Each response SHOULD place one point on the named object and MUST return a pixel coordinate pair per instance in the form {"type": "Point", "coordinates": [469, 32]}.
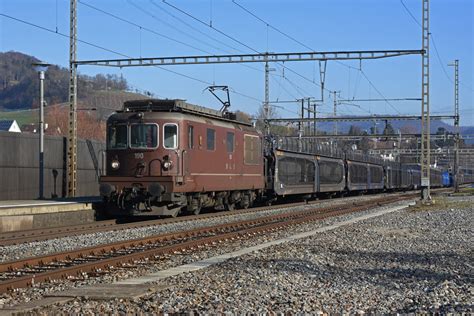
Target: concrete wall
{"type": "Point", "coordinates": [19, 175]}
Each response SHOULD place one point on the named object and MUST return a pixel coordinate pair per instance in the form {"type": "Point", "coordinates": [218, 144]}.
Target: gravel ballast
{"type": "Point", "coordinates": [406, 261]}
{"type": "Point", "coordinates": [40, 248]}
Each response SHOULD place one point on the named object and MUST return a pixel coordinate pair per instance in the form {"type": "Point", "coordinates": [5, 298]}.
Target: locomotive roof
{"type": "Point", "coordinates": [177, 105]}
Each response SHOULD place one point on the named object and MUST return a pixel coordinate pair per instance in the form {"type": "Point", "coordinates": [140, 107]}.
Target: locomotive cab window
{"type": "Point", "coordinates": [143, 136]}
{"type": "Point", "coordinates": [190, 137]}
{"type": "Point", "coordinates": [230, 142]}
{"type": "Point", "coordinates": [117, 137]}
{"type": "Point", "coordinates": [170, 136]}
{"type": "Point", "coordinates": [211, 139]}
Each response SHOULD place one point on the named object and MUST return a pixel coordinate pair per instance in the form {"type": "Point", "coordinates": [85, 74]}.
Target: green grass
{"type": "Point", "coordinates": [464, 192]}
{"type": "Point", "coordinates": [22, 117]}
{"type": "Point", "coordinates": [441, 203]}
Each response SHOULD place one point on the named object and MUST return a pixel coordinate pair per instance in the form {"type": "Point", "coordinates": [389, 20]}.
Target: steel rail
{"type": "Point", "coordinates": [219, 232]}
{"type": "Point", "coordinates": [40, 234]}
{"type": "Point", "coordinates": [31, 235]}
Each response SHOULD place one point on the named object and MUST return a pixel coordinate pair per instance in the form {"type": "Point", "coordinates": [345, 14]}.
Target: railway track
{"type": "Point", "coordinates": [17, 237]}
{"type": "Point", "coordinates": [25, 272]}
{"type": "Point", "coordinates": [24, 236]}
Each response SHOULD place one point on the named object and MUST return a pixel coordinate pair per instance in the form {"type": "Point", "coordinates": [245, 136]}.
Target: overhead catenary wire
{"type": "Point", "coordinates": [380, 93]}
{"type": "Point", "coordinates": [293, 39]}
{"type": "Point", "coordinates": [270, 26]}
{"type": "Point", "coordinates": [442, 64]}
{"type": "Point", "coordinates": [194, 28]}
{"type": "Point", "coordinates": [118, 53]}
{"type": "Point", "coordinates": [235, 39]}
{"type": "Point", "coordinates": [411, 14]}
{"type": "Point", "coordinates": [141, 27]}
{"type": "Point", "coordinates": [167, 37]}
{"type": "Point", "coordinates": [190, 26]}
{"type": "Point", "coordinates": [440, 61]}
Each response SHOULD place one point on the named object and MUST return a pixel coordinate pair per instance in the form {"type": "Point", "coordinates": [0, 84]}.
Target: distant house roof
{"type": "Point", "coordinates": [9, 126]}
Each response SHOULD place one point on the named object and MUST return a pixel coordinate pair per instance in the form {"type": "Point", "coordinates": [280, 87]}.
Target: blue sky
{"type": "Point", "coordinates": [322, 25]}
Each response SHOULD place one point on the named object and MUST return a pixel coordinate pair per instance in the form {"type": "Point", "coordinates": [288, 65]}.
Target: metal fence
{"type": "Point", "coordinates": [19, 174]}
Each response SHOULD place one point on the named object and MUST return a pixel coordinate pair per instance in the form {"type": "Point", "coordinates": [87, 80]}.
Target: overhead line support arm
{"type": "Point", "coordinates": [248, 58]}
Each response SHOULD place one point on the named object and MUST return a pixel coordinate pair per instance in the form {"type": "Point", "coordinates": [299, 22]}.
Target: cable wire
{"type": "Point", "coordinates": [380, 93]}
{"type": "Point", "coordinates": [157, 33]}
{"type": "Point", "coordinates": [440, 61]}
{"type": "Point", "coordinates": [298, 42]}
{"type": "Point", "coordinates": [119, 54]}
{"type": "Point", "coordinates": [235, 39]}
{"type": "Point", "coordinates": [141, 27]}
{"type": "Point", "coordinates": [435, 47]}
{"type": "Point", "coordinates": [411, 14]}
{"type": "Point", "coordinates": [194, 28]}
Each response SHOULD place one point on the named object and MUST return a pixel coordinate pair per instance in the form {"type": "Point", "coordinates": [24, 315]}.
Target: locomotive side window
{"type": "Point", "coordinates": [190, 137]}
{"type": "Point", "coordinates": [117, 137]}
{"type": "Point", "coordinates": [143, 136]}
{"type": "Point", "coordinates": [170, 136]}
{"type": "Point", "coordinates": [230, 142]}
{"type": "Point", "coordinates": [211, 139]}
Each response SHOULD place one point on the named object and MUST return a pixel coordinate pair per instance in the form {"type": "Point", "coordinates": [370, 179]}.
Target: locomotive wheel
{"type": "Point", "coordinates": [196, 206]}
{"type": "Point", "coordinates": [230, 206]}
{"type": "Point", "coordinates": [245, 202]}
{"type": "Point", "coordinates": [197, 211]}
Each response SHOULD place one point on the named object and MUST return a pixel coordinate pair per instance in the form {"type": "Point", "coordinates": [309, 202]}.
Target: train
{"type": "Point", "coordinates": [167, 157]}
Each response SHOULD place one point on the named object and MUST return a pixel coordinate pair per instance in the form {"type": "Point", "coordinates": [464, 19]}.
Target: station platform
{"type": "Point", "coordinates": [32, 214]}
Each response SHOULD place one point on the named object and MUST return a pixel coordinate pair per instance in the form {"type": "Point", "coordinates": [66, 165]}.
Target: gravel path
{"type": "Point", "coordinates": [401, 262]}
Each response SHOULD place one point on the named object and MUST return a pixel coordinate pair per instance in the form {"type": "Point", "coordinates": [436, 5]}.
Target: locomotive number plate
{"type": "Point", "coordinates": [138, 155]}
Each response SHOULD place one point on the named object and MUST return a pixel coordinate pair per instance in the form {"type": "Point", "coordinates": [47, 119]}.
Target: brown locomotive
{"type": "Point", "coordinates": [168, 156]}
{"type": "Point", "coordinates": [164, 156]}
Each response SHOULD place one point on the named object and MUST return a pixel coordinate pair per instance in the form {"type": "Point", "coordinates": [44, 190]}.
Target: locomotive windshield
{"type": "Point", "coordinates": [117, 137]}
{"type": "Point", "coordinates": [170, 136]}
{"type": "Point", "coordinates": [143, 136]}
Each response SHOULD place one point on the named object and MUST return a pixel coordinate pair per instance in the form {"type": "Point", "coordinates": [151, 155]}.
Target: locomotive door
{"type": "Point", "coordinates": [172, 160]}
{"type": "Point", "coordinates": [231, 165]}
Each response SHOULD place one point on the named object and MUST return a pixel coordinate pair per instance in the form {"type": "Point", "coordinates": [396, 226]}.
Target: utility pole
{"type": "Point", "coordinates": [335, 111]}
{"type": "Point", "coordinates": [41, 68]}
{"type": "Point", "coordinates": [309, 115]}
{"type": "Point", "coordinates": [266, 105]}
{"type": "Point", "coordinates": [72, 137]}
{"type": "Point", "coordinates": [301, 124]}
{"type": "Point", "coordinates": [425, 106]}
{"type": "Point", "coordinates": [456, 124]}
{"type": "Point", "coordinates": [315, 130]}
{"type": "Point", "coordinates": [41, 132]}
{"type": "Point", "coordinates": [314, 116]}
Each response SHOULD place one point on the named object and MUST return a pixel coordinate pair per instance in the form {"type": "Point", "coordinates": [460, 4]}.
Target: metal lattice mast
{"type": "Point", "coordinates": [266, 106]}
{"type": "Point", "coordinates": [72, 137]}
{"type": "Point", "coordinates": [315, 127]}
{"type": "Point", "coordinates": [425, 106]}
{"type": "Point", "coordinates": [335, 112]}
{"type": "Point", "coordinates": [456, 123]}
{"type": "Point", "coordinates": [308, 115]}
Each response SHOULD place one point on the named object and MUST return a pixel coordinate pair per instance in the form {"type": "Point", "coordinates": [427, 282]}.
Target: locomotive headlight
{"type": "Point", "coordinates": [166, 164]}
{"type": "Point", "coordinates": [115, 164]}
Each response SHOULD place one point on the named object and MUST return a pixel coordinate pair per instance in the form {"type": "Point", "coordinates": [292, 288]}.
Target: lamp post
{"type": "Point", "coordinates": [41, 67]}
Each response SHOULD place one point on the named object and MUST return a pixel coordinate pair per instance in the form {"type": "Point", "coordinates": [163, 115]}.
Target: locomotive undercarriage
{"type": "Point", "coordinates": [138, 201]}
